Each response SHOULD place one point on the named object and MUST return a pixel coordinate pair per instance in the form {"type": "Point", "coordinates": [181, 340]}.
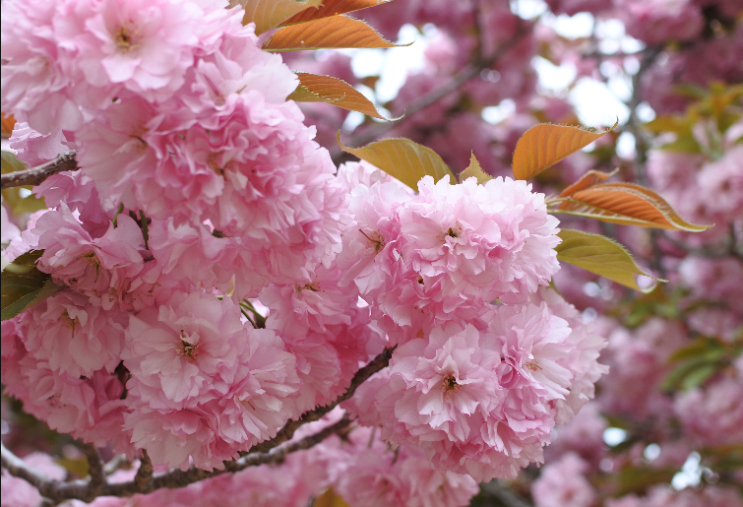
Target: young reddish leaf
{"type": "Point", "coordinates": [589, 179]}
{"type": "Point", "coordinates": [626, 203]}
{"type": "Point", "coordinates": [267, 14]}
{"type": "Point", "coordinates": [402, 159]}
{"type": "Point", "coordinates": [329, 33]}
{"type": "Point", "coordinates": [545, 145]}
{"type": "Point", "coordinates": [331, 8]}
{"type": "Point", "coordinates": [8, 122]}
{"type": "Point", "coordinates": [600, 255]}
{"type": "Point", "coordinates": [475, 170]}
{"type": "Point", "coordinates": [313, 88]}
{"type": "Point", "coordinates": [23, 285]}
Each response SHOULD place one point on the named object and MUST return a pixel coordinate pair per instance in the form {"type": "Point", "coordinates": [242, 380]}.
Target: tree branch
{"type": "Point", "coordinates": [145, 481]}
{"type": "Point", "coordinates": [35, 175]}
{"type": "Point", "coordinates": [503, 494]}
{"type": "Point", "coordinates": [95, 470]}
{"type": "Point", "coordinates": [287, 432]}
{"type": "Point", "coordinates": [457, 80]}
{"type": "Point", "coordinates": [58, 491]}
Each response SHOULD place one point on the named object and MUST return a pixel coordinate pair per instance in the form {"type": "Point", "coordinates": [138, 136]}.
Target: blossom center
{"type": "Point", "coordinates": [376, 240]}
{"type": "Point", "coordinates": [188, 349]}
{"type": "Point", "coordinates": [124, 40]}
{"type": "Point", "coordinates": [533, 365]}
{"type": "Point", "coordinates": [312, 286]}
{"type": "Point", "coordinates": [451, 232]}
{"type": "Point", "coordinates": [449, 383]}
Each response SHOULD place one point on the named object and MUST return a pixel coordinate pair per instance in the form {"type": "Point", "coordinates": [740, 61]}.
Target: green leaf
{"type": "Point", "coordinates": [698, 376]}
{"type": "Point", "coordinates": [10, 163]}
{"type": "Point", "coordinates": [475, 170]}
{"type": "Point", "coordinates": [12, 196]}
{"type": "Point", "coordinates": [639, 479]}
{"type": "Point", "coordinates": [402, 159]}
{"type": "Point", "coordinates": [600, 255]}
{"type": "Point", "coordinates": [683, 144]}
{"type": "Point", "coordinates": [23, 285]}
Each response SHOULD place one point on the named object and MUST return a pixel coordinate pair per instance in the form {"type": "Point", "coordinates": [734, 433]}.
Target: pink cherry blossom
{"type": "Point", "coordinates": [74, 336]}
{"type": "Point", "coordinates": [563, 483]}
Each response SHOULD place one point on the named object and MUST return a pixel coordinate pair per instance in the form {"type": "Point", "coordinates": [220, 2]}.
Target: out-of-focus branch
{"type": "Point", "coordinates": [456, 81]}
{"type": "Point", "coordinates": [270, 451]}
{"type": "Point", "coordinates": [35, 175]}
{"type": "Point", "coordinates": [143, 479]}
{"type": "Point", "coordinates": [95, 470]}
{"type": "Point", "coordinates": [114, 464]}
{"type": "Point", "coordinates": [642, 144]}
{"type": "Point", "coordinates": [503, 494]}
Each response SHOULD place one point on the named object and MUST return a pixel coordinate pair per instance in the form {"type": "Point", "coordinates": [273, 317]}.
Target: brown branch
{"type": "Point", "coordinates": [143, 479]}
{"type": "Point", "coordinates": [35, 175]}
{"type": "Point", "coordinates": [501, 493]}
{"type": "Point", "coordinates": [47, 487]}
{"type": "Point", "coordinates": [267, 452]}
{"type": "Point", "coordinates": [58, 491]}
{"type": "Point", "coordinates": [95, 470]}
{"type": "Point", "coordinates": [287, 432]}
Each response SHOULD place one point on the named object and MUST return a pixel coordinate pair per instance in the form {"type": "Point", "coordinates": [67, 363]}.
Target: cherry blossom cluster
{"type": "Point", "coordinates": [219, 276]}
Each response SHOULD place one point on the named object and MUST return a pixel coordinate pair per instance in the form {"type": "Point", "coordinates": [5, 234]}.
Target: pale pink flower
{"type": "Point", "coordinates": [101, 268]}
{"type": "Point", "coordinates": [665, 496]}
{"type": "Point", "coordinates": [584, 344]}
{"type": "Point", "coordinates": [563, 483]}
{"type": "Point", "coordinates": [34, 79]}
{"type": "Point", "coordinates": [229, 60]}
{"type": "Point", "coordinates": [9, 230]}
{"type": "Point", "coordinates": [721, 183]}
{"type": "Point", "coordinates": [658, 21]}
{"type": "Point", "coordinates": [34, 148]}
{"type": "Point", "coordinates": [714, 279]}
{"type": "Point", "coordinates": [256, 405]}
{"type": "Point", "coordinates": [183, 350]}
{"type": "Point", "coordinates": [713, 415]}
{"type": "Point", "coordinates": [74, 336]}
{"type": "Point", "coordinates": [534, 345]}
{"type": "Point", "coordinates": [89, 408]}
{"type": "Point", "coordinates": [444, 395]}
{"type": "Point", "coordinates": [378, 477]}
{"type": "Point", "coordinates": [76, 191]}
{"type": "Point", "coordinates": [480, 240]}
{"type": "Point", "coordinates": [144, 46]}
{"type": "Point", "coordinates": [582, 435]}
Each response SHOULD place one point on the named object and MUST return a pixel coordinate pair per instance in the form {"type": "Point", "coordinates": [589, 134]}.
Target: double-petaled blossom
{"type": "Point", "coordinates": [203, 385]}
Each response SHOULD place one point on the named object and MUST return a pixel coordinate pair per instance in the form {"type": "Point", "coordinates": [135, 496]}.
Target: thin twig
{"type": "Point", "coordinates": [642, 145]}
{"type": "Point", "coordinates": [287, 432]}
{"type": "Point", "coordinates": [457, 80]}
{"type": "Point", "coordinates": [35, 175]}
{"type": "Point", "coordinates": [268, 452]}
